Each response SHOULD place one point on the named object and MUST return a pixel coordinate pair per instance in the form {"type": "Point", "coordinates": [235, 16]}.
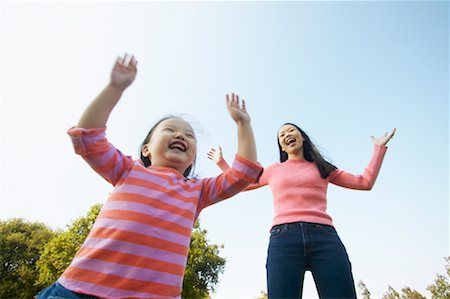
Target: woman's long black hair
{"type": "Point", "coordinates": [311, 154]}
{"type": "Point", "coordinates": [147, 162]}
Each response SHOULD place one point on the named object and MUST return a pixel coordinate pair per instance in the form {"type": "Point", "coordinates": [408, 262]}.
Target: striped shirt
{"type": "Point", "coordinates": [139, 244]}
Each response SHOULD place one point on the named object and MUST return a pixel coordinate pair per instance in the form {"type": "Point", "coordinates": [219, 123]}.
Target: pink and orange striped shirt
{"type": "Point", "coordinates": [139, 243]}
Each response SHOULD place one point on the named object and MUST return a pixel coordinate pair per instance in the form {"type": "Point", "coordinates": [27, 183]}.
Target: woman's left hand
{"type": "Point", "coordinates": [383, 140]}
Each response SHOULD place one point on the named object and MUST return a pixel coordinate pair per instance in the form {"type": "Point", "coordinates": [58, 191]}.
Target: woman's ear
{"type": "Point", "coordinates": [146, 151]}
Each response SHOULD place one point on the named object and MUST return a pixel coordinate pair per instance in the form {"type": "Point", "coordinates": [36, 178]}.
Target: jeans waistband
{"type": "Point", "coordinates": [298, 224]}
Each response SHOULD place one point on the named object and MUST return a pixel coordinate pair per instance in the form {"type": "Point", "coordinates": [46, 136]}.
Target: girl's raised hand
{"type": "Point", "coordinates": [215, 155]}
{"type": "Point", "coordinates": [383, 140]}
{"type": "Point", "coordinates": [237, 110]}
{"type": "Point", "coordinates": [124, 72]}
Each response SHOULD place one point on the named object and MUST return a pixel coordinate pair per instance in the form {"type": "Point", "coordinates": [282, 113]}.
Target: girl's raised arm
{"type": "Point", "coordinates": [246, 139]}
{"type": "Point", "coordinates": [122, 75]}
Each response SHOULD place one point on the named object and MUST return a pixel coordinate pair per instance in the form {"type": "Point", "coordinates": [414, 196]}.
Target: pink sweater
{"type": "Point", "coordinates": [139, 243]}
{"type": "Point", "coordinates": [300, 193]}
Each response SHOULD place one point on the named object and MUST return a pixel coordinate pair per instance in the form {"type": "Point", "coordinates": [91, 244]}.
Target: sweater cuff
{"type": "Point", "coordinates": [250, 171]}
{"type": "Point", "coordinates": [82, 138]}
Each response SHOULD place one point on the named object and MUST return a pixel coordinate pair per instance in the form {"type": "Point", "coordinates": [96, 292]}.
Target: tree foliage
{"type": "Point", "coordinates": [59, 252]}
{"type": "Point", "coordinates": [21, 244]}
{"type": "Point", "coordinates": [406, 293]}
{"type": "Point", "coordinates": [364, 290]}
{"type": "Point", "coordinates": [441, 287]}
{"type": "Point", "coordinates": [203, 267]}
{"type": "Point", "coordinates": [262, 295]}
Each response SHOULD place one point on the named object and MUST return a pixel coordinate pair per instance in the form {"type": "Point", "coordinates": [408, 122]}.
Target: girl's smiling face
{"type": "Point", "coordinates": [172, 144]}
{"type": "Point", "coordinates": [291, 140]}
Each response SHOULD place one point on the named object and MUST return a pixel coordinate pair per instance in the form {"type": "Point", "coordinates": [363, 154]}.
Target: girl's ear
{"type": "Point", "coordinates": [146, 151]}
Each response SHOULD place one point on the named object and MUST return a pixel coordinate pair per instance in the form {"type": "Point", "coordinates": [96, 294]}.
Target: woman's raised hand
{"type": "Point", "coordinates": [215, 155]}
{"type": "Point", "coordinates": [383, 140]}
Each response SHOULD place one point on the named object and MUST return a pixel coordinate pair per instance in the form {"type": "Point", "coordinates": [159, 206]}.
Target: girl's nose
{"type": "Point", "coordinates": [179, 135]}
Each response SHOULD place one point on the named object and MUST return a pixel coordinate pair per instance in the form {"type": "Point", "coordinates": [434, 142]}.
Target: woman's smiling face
{"type": "Point", "coordinates": [290, 139]}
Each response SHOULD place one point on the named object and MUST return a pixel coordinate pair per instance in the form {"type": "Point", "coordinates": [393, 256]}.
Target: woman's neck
{"type": "Point", "coordinates": [296, 156]}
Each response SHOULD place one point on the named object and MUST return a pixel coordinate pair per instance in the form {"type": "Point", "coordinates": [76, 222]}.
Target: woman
{"type": "Point", "coordinates": [303, 236]}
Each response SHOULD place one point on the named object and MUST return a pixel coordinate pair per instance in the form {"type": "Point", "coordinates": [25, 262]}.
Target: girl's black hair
{"type": "Point", "coordinates": [311, 154]}
{"type": "Point", "coordinates": [147, 161]}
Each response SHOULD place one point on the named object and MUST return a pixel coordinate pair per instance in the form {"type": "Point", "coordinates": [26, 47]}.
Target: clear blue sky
{"type": "Point", "coordinates": [341, 70]}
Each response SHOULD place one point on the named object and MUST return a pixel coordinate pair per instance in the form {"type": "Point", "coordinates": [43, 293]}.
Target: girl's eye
{"type": "Point", "coordinates": [189, 136]}
{"type": "Point", "coordinates": [169, 130]}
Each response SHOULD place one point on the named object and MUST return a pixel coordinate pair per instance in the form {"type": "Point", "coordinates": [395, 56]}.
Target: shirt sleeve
{"type": "Point", "coordinates": [223, 165]}
{"type": "Point", "coordinates": [92, 145]}
{"type": "Point", "coordinates": [262, 181]}
{"type": "Point", "coordinates": [364, 181]}
{"type": "Point", "coordinates": [230, 182]}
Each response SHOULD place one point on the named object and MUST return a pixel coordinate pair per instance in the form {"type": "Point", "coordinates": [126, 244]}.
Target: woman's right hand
{"type": "Point", "coordinates": [215, 155]}
{"type": "Point", "coordinates": [123, 72]}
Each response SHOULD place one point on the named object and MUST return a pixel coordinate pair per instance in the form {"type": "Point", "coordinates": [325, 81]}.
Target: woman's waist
{"type": "Point", "coordinates": [304, 216]}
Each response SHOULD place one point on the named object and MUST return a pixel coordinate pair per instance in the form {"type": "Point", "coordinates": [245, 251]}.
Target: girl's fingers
{"type": "Point", "coordinates": [234, 101]}
{"type": "Point", "coordinates": [127, 60]}
{"type": "Point", "coordinates": [133, 61]}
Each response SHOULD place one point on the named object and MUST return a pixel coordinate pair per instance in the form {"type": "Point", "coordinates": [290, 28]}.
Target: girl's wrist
{"type": "Point", "coordinates": [116, 88]}
{"type": "Point", "coordinates": [243, 122]}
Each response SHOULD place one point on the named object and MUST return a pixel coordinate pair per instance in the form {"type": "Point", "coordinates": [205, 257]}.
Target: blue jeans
{"type": "Point", "coordinates": [57, 291]}
{"type": "Point", "coordinates": [297, 247]}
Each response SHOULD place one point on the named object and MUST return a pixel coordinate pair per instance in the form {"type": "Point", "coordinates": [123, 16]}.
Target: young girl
{"type": "Point", "coordinates": [303, 236]}
{"type": "Point", "coordinates": [139, 243]}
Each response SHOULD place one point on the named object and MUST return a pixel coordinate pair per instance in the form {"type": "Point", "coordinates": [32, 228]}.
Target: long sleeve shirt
{"type": "Point", "coordinates": [139, 244]}
{"type": "Point", "coordinates": [300, 193]}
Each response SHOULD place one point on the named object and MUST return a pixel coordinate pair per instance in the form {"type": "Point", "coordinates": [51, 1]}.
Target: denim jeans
{"type": "Point", "coordinates": [301, 246]}
{"type": "Point", "coordinates": [57, 291]}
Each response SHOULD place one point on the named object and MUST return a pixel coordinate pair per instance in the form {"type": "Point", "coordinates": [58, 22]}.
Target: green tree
{"type": "Point", "coordinates": [406, 293]}
{"type": "Point", "coordinates": [21, 244]}
{"type": "Point", "coordinates": [441, 287]}
{"type": "Point", "coordinates": [364, 290]}
{"type": "Point", "coordinates": [391, 294]}
{"type": "Point", "coordinates": [59, 252]}
{"type": "Point", "coordinates": [203, 267]}
{"type": "Point", "coordinates": [262, 295]}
